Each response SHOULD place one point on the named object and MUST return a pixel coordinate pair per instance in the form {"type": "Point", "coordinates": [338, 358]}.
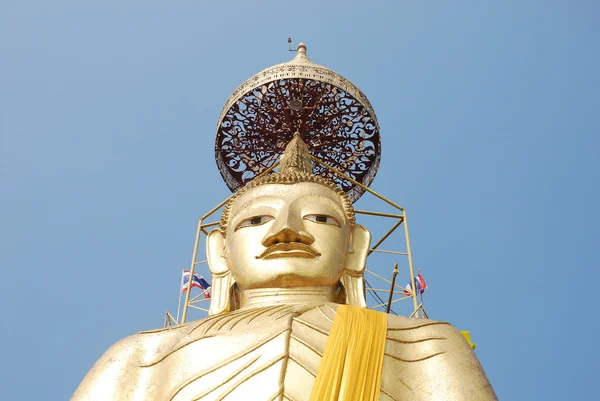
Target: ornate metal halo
{"type": "Point", "coordinates": [333, 116]}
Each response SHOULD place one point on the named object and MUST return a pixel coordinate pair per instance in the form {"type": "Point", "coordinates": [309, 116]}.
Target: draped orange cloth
{"type": "Point", "coordinates": [351, 366]}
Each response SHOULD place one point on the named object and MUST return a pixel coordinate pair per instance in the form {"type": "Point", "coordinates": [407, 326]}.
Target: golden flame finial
{"type": "Point", "coordinates": [296, 157]}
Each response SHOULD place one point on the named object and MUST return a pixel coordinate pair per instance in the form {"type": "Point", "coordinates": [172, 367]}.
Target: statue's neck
{"type": "Point", "coordinates": [295, 295]}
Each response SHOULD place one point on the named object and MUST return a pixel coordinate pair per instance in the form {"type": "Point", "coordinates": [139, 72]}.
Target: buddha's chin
{"type": "Point", "coordinates": [288, 276]}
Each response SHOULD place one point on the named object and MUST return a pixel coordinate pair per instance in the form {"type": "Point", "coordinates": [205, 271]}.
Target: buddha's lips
{"type": "Point", "coordinates": [289, 250]}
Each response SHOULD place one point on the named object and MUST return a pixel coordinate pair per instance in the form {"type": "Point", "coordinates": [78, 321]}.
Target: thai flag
{"type": "Point", "coordinates": [197, 281]}
{"type": "Point", "coordinates": [420, 284]}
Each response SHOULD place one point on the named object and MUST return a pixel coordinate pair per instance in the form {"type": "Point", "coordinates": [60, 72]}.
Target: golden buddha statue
{"type": "Point", "coordinates": [287, 318]}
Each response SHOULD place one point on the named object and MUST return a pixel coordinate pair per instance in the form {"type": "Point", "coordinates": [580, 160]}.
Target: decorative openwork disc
{"type": "Point", "coordinates": [333, 116]}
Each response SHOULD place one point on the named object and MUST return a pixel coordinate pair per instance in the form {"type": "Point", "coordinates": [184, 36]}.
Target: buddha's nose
{"type": "Point", "coordinates": [287, 230]}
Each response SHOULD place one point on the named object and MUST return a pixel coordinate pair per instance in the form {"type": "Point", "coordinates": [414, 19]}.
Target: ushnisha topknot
{"type": "Point", "coordinates": [295, 166]}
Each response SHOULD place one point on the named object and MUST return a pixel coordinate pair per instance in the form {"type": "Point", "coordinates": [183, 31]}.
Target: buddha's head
{"type": "Point", "coordinates": [287, 230]}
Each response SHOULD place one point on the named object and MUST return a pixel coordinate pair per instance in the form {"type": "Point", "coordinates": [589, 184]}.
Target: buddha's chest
{"type": "Point", "coordinates": [262, 356]}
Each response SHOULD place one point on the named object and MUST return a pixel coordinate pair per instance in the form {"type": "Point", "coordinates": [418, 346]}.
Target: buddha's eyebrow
{"type": "Point", "coordinates": [323, 199]}
{"type": "Point", "coordinates": [260, 200]}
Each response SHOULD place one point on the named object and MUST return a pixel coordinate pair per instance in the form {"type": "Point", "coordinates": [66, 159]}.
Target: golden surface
{"type": "Point", "coordinates": [273, 353]}
{"type": "Point", "coordinates": [289, 254]}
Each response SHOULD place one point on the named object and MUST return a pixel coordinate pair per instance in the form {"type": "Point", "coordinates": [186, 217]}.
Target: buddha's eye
{"type": "Point", "coordinates": [254, 221]}
{"type": "Point", "coordinates": [322, 219]}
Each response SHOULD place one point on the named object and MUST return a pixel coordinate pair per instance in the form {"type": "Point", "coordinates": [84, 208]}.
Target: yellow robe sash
{"type": "Point", "coordinates": [351, 366]}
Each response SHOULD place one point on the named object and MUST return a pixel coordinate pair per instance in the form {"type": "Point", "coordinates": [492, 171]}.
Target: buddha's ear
{"type": "Point", "coordinates": [222, 280]}
{"type": "Point", "coordinates": [356, 261]}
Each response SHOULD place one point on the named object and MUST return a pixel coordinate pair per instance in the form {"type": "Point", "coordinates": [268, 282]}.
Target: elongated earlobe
{"type": "Point", "coordinates": [222, 280]}
{"type": "Point", "coordinates": [352, 278]}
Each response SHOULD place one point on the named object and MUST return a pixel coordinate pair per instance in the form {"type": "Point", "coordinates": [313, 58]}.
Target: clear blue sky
{"type": "Point", "coordinates": [489, 123]}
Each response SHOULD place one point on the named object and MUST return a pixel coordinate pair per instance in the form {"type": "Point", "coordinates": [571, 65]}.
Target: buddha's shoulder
{"type": "Point", "coordinates": [136, 348]}
{"type": "Point", "coordinates": [436, 363]}
{"type": "Point", "coordinates": [408, 324]}
{"type": "Point", "coordinates": [148, 345]}
{"type": "Point", "coordinates": [412, 330]}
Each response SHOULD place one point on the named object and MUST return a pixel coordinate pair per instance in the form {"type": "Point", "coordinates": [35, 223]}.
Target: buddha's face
{"type": "Point", "coordinates": [287, 236]}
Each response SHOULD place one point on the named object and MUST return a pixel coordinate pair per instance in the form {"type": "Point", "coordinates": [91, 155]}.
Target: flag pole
{"type": "Point", "coordinates": [394, 274]}
{"type": "Point", "coordinates": [178, 307]}
{"type": "Point", "coordinates": [179, 300]}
